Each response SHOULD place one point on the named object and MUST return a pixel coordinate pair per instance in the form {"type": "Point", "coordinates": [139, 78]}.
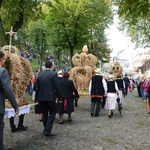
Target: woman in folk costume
{"type": "Point", "coordinates": [121, 87]}
{"type": "Point", "coordinates": [112, 90]}
{"type": "Point", "coordinates": [97, 90]}
{"type": "Point", "coordinates": [68, 93]}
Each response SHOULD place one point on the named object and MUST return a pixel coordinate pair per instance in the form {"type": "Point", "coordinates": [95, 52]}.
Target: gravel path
{"type": "Point", "coordinates": [128, 132]}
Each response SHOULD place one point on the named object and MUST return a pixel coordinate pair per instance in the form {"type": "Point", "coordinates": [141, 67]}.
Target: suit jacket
{"type": "Point", "coordinates": [127, 82]}
{"type": "Point", "coordinates": [48, 86]}
{"type": "Point", "coordinates": [68, 89]}
{"type": "Point", "coordinates": [6, 90]}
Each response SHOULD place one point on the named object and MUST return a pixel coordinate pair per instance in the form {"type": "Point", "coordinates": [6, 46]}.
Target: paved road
{"type": "Point", "coordinates": [129, 132]}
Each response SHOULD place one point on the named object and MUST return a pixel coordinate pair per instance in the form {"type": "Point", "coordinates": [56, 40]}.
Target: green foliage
{"type": "Point", "coordinates": [59, 27]}
{"type": "Point", "coordinates": [135, 19]}
{"type": "Point", "coordinates": [36, 35]}
{"type": "Point", "coordinates": [17, 13]}
{"type": "Point", "coordinates": [70, 23]}
{"type": "Point", "coordinates": [34, 64]}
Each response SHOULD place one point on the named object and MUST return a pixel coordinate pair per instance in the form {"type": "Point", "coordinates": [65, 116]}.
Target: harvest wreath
{"type": "Point", "coordinates": [20, 73]}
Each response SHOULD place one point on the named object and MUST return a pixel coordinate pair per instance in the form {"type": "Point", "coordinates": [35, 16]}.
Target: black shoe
{"type": "Point", "coordinates": [14, 130]}
{"type": "Point", "coordinates": [76, 105]}
{"type": "Point", "coordinates": [61, 122]}
{"type": "Point", "coordinates": [69, 120]}
{"type": "Point", "coordinates": [112, 113]}
{"type": "Point", "coordinates": [109, 116]}
{"type": "Point", "coordinates": [92, 114]}
{"type": "Point", "coordinates": [48, 134]}
{"type": "Point", "coordinates": [23, 128]}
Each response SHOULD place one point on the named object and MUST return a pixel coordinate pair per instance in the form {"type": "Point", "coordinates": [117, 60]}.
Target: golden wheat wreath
{"type": "Point", "coordinates": [20, 73]}
{"type": "Point", "coordinates": [82, 72]}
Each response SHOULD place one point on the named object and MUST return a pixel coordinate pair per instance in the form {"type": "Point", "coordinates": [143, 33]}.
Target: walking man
{"type": "Point", "coordinates": [97, 89]}
{"type": "Point", "coordinates": [5, 90]}
{"type": "Point", "coordinates": [127, 83]}
{"type": "Point", "coordinates": [47, 89]}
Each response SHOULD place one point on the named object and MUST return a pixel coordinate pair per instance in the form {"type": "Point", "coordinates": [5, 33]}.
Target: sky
{"type": "Point", "coordinates": [118, 41]}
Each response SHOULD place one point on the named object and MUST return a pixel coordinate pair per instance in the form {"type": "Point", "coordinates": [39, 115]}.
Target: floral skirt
{"type": "Point", "coordinates": [111, 102]}
{"type": "Point", "coordinates": [121, 96]}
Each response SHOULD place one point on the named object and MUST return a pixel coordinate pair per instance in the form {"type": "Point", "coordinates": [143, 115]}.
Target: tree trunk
{"type": "Point", "coordinates": [71, 55]}
{"type": "Point", "coordinates": [3, 40]}
{"type": "Point", "coordinates": [41, 63]}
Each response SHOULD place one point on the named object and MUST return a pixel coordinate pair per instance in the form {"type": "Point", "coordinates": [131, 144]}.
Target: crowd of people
{"type": "Point", "coordinates": [143, 84]}
{"type": "Point", "coordinates": [56, 93]}
{"type": "Point", "coordinates": [105, 91]}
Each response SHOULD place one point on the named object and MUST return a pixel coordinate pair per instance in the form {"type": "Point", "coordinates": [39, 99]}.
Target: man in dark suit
{"type": "Point", "coordinates": [127, 83]}
{"type": "Point", "coordinates": [47, 89]}
{"type": "Point", "coordinates": [5, 90]}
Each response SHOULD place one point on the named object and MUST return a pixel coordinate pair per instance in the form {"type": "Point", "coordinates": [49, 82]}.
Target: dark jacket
{"type": "Point", "coordinates": [68, 89]}
{"type": "Point", "coordinates": [48, 86]}
{"type": "Point", "coordinates": [97, 88]}
{"type": "Point", "coordinates": [126, 81]}
{"type": "Point", "coordinates": [120, 84]}
{"type": "Point", "coordinates": [6, 90]}
{"type": "Point", "coordinates": [111, 87]}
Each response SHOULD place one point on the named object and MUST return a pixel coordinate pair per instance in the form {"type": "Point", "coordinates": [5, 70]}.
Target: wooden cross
{"type": "Point", "coordinates": [117, 59]}
{"type": "Point", "coordinates": [11, 33]}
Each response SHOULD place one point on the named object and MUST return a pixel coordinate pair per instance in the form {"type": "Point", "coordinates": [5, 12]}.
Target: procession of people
{"type": "Point", "coordinates": [104, 92]}
{"type": "Point", "coordinates": [56, 94]}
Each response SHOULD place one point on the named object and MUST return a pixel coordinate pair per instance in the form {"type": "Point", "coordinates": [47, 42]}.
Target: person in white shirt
{"type": "Point", "coordinates": [112, 91]}
{"type": "Point", "coordinates": [97, 90]}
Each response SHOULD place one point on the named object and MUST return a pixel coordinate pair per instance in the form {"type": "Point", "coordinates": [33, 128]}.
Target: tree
{"type": "Point", "coordinates": [135, 20]}
{"type": "Point", "coordinates": [70, 23]}
{"type": "Point", "coordinates": [36, 37]}
{"type": "Point", "coordinates": [17, 13]}
{"type": "Point", "coordinates": [98, 45]}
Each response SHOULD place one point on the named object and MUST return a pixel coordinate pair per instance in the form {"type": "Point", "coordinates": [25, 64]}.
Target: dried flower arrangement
{"type": "Point", "coordinates": [20, 73]}
{"type": "Point", "coordinates": [117, 69]}
{"type": "Point", "coordinates": [82, 72]}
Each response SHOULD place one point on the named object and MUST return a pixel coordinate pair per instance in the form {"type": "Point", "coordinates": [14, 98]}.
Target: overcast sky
{"type": "Point", "coordinates": [118, 41]}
